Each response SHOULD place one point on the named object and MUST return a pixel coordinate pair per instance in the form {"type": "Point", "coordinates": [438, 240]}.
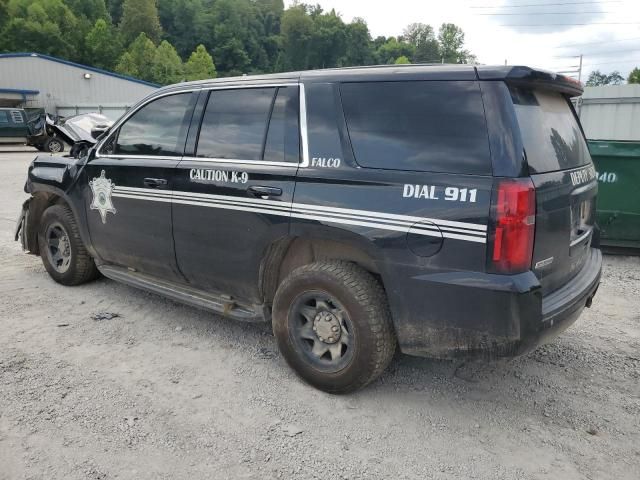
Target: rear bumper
{"type": "Point", "coordinates": [464, 314]}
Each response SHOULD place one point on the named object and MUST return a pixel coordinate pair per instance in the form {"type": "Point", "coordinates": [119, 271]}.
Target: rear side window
{"type": "Point", "coordinates": [436, 126]}
{"type": "Point", "coordinates": [234, 123]}
{"type": "Point", "coordinates": [158, 128]}
{"type": "Point", "coordinates": [550, 132]}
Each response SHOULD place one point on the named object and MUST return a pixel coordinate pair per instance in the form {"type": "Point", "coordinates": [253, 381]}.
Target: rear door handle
{"type": "Point", "coordinates": [155, 182]}
{"type": "Point", "coordinates": [264, 192]}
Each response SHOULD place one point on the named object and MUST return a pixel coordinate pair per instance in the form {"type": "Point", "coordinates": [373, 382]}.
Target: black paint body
{"type": "Point", "coordinates": [443, 300]}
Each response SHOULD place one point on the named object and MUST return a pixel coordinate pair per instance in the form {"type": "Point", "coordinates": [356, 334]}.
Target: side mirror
{"type": "Point", "coordinates": [98, 131]}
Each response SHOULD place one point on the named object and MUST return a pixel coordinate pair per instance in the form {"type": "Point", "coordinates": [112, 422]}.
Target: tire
{"type": "Point", "coordinates": [314, 304]}
{"type": "Point", "coordinates": [63, 254]}
{"type": "Point", "coordinates": [53, 145]}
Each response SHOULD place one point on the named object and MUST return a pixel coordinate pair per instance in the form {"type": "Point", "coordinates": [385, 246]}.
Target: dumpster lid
{"type": "Point", "coordinates": [534, 78]}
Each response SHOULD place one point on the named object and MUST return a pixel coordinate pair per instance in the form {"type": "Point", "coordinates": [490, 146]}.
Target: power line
{"type": "Point", "coordinates": [597, 43]}
{"type": "Point", "coordinates": [536, 13]}
{"type": "Point", "coordinates": [592, 54]}
{"type": "Point", "coordinates": [566, 24]}
{"type": "Point", "coordinates": [608, 63]}
{"type": "Point", "coordinates": [544, 4]}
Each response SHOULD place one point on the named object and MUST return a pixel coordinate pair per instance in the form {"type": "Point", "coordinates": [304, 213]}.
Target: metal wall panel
{"type": "Point", "coordinates": [62, 85]}
{"type": "Point", "coordinates": [611, 112]}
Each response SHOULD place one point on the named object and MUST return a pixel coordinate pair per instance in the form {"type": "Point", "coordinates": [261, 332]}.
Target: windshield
{"type": "Point", "coordinates": [550, 132]}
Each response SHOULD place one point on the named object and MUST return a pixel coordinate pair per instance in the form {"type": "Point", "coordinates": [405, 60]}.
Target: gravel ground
{"type": "Point", "coordinates": [162, 390]}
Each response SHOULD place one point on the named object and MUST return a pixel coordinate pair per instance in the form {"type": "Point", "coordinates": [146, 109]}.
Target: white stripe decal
{"type": "Point", "coordinates": [402, 223]}
{"type": "Point", "coordinates": [322, 208]}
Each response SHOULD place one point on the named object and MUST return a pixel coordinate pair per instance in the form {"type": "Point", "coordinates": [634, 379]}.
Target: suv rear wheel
{"type": "Point", "coordinates": [333, 326]}
{"type": "Point", "coordinates": [63, 254]}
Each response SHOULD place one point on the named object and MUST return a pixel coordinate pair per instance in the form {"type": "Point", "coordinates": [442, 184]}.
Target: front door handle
{"type": "Point", "coordinates": [155, 182]}
{"type": "Point", "coordinates": [264, 192]}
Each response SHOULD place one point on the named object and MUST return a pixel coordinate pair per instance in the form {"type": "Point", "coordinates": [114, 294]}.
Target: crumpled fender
{"type": "Point", "coordinates": [51, 178]}
{"type": "Point", "coordinates": [54, 171]}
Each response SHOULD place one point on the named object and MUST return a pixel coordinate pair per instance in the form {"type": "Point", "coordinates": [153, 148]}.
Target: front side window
{"type": "Point", "coordinates": [158, 128]}
{"type": "Point", "coordinates": [436, 126]}
{"type": "Point", "coordinates": [4, 118]}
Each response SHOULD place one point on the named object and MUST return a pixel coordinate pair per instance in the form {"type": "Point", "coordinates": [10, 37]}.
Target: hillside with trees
{"type": "Point", "coordinates": [166, 41]}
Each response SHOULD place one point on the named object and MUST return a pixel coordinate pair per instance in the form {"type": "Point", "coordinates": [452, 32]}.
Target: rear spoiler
{"type": "Point", "coordinates": [528, 77]}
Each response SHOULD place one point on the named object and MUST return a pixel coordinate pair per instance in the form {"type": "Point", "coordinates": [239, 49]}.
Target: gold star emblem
{"type": "Point", "coordinates": [102, 188]}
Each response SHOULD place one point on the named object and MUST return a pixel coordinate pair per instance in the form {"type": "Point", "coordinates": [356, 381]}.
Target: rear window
{"type": "Point", "coordinates": [550, 132]}
{"type": "Point", "coordinates": [432, 126]}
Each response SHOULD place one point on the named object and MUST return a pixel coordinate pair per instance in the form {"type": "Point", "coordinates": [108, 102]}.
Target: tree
{"type": "Point", "coordinates": [634, 76]}
{"type": "Point", "coordinates": [423, 39]}
{"type": "Point", "coordinates": [597, 78]}
{"type": "Point", "coordinates": [296, 30]}
{"type": "Point", "coordinates": [103, 45]}
{"type": "Point", "coordinates": [167, 65]}
{"type": "Point", "coordinates": [139, 59]}
{"type": "Point", "coordinates": [358, 49]}
{"type": "Point", "coordinates": [328, 39]}
{"type": "Point", "coordinates": [44, 26]}
{"type": "Point", "coordinates": [183, 22]}
{"type": "Point", "coordinates": [393, 49]}
{"type": "Point", "coordinates": [451, 39]}
{"type": "Point", "coordinates": [402, 60]}
{"type": "Point", "coordinates": [200, 65]}
{"type": "Point", "coordinates": [140, 16]}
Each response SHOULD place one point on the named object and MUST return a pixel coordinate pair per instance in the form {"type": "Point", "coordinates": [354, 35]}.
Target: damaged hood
{"type": "Point", "coordinates": [78, 128]}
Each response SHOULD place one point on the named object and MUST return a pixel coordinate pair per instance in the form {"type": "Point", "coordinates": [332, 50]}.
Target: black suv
{"type": "Point", "coordinates": [448, 210]}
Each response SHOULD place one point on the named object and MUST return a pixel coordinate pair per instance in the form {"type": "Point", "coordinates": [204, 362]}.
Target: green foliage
{"type": "Point", "coordinates": [103, 45]}
{"type": "Point", "coordinates": [392, 49]}
{"type": "Point", "coordinates": [44, 26]}
{"type": "Point", "coordinates": [423, 39]}
{"type": "Point", "coordinates": [597, 78]}
{"type": "Point", "coordinates": [244, 37]}
{"type": "Point", "coordinates": [200, 65]}
{"type": "Point", "coordinates": [634, 76]}
{"type": "Point", "coordinates": [451, 40]}
{"type": "Point", "coordinates": [140, 16]}
{"type": "Point", "coordinates": [167, 65]}
{"type": "Point", "coordinates": [402, 61]}
{"type": "Point", "coordinates": [138, 61]}
{"type": "Point", "coordinates": [296, 29]}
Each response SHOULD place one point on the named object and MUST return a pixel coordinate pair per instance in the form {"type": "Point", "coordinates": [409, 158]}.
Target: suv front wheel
{"type": "Point", "coordinates": [333, 325]}
{"type": "Point", "coordinates": [63, 254]}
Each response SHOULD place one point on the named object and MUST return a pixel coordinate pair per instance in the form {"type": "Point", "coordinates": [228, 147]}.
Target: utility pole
{"type": "Point", "coordinates": [580, 69]}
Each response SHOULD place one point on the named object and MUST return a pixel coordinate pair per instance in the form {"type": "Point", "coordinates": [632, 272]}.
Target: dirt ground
{"type": "Point", "coordinates": [164, 391]}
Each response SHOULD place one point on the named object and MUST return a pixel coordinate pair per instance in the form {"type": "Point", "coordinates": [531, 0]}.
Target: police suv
{"type": "Point", "coordinates": [444, 210]}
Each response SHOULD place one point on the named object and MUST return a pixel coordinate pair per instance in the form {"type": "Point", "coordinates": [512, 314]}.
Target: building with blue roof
{"type": "Point", "coordinates": [60, 87]}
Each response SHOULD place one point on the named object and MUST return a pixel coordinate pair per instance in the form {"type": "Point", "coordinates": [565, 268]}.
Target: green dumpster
{"type": "Point", "coordinates": [618, 211]}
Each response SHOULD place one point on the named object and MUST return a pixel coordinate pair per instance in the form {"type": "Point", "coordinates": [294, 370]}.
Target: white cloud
{"type": "Point", "coordinates": [614, 46]}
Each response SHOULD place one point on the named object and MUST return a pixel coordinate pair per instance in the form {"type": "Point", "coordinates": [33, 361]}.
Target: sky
{"type": "Point", "coordinates": [535, 33]}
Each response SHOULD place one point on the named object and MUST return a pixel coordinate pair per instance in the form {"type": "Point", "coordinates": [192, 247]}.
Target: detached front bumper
{"type": "Point", "coordinates": [467, 314]}
{"type": "Point", "coordinates": [21, 226]}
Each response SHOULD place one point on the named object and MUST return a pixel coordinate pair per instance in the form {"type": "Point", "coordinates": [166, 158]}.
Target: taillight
{"type": "Point", "coordinates": [514, 207]}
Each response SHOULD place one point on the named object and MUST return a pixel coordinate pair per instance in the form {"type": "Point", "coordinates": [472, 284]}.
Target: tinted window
{"type": "Point", "coordinates": [550, 132]}
{"type": "Point", "coordinates": [235, 123]}
{"type": "Point", "coordinates": [322, 122]}
{"type": "Point", "coordinates": [158, 128]}
{"type": "Point", "coordinates": [421, 125]}
{"type": "Point", "coordinates": [4, 118]}
{"type": "Point", "coordinates": [283, 139]}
